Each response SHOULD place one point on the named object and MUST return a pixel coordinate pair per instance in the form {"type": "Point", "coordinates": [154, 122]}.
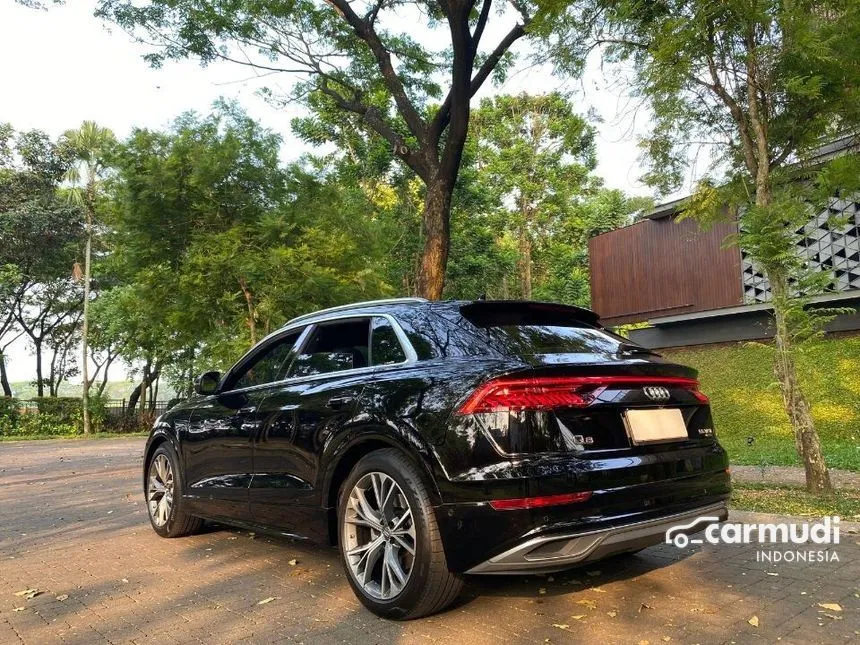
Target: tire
{"type": "Point", "coordinates": [429, 586]}
{"type": "Point", "coordinates": [168, 518]}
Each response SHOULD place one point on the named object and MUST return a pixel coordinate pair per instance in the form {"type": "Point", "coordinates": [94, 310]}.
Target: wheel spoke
{"type": "Point", "coordinates": [403, 544]}
{"type": "Point", "coordinates": [401, 521]}
{"type": "Point", "coordinates": [379, 536]}
{"type": "Point", "coordinates": [160, 490]}
{"type": "Point", "coordinates": [364, 511]}
{"type": "Point", "coordinates": [396, 575]}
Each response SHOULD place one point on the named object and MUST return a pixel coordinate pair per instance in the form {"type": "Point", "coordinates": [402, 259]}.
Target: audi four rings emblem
{"type": "Point", "coordinates": [657, 393]}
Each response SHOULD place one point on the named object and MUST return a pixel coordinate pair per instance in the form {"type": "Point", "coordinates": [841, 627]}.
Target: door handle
{"type": "Point", "coordinates": [338, 402]}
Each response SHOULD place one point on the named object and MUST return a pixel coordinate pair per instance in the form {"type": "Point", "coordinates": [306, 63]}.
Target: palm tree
{"type": "Point", "coordinates": [90, 144]}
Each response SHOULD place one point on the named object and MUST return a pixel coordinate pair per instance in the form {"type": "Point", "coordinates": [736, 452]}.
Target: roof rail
{"type": "Point", "coordinates": [357, 305]}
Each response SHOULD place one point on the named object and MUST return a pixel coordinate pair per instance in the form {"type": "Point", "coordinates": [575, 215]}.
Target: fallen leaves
{"type": "Point", "coordinates": [830, 606]}
{"type": "Point", "coordinates": [28, 593]}
{"type": "Point", "coordinates": [293, 562]}
{"type": "Point", "coordinates": [561, 626]}
{"type": "Point", "coordinates": [266, 601]}
{"type": "Point", "coordinates": [19, 609]}
{"type": "Point", "coordinates": [753, 621]}
{"type": "Point", "coordinates": [542, 591]}
{"type": "Point", "coordinates": [642, 606]}
{"type": "Point", "coordinates": [578, 617]}
{"type": "Point", "coordinates": [63, 597]}
{"type": "Point", "coordinates": [612, 614]}
{"type": "Point", "coordinates": [587, 603]}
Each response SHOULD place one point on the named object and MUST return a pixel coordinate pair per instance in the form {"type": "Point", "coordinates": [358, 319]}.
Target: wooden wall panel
{"type": "Point", "coordinates": [661, 267]}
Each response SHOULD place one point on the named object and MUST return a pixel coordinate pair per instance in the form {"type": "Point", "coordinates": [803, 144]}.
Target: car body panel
{"type": "Point", "coordinates": [273, 457]}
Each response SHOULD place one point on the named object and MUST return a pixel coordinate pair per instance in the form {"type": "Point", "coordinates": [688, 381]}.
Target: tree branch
{"type": "Point", "coordinates": [366, 32]}
{"type": "Point", "coordinates": [377, 123]}
{"type": "Point", "coordinates": [443, 116]}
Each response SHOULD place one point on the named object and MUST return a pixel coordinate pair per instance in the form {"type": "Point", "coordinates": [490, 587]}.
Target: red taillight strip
{"type": "Point", "coordinates": [522, 503]}
{"type": "Point", "coordinates": [544, 393]}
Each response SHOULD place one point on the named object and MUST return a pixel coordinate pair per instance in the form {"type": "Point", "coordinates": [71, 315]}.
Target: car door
{"type": "Point", "coordinates": [319, 398]}
{"type": "Point", "coordinates": [216, 444]}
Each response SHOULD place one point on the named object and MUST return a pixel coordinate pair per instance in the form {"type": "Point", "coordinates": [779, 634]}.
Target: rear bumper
{"type": "Point", "coordinates": [549, 553]}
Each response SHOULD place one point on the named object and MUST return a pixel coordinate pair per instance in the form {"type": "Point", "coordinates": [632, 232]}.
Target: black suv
{"type": "Point", "coordinates": [434, 439]}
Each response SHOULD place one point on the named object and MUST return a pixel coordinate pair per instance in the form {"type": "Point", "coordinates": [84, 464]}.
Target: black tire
{"type": "Point", "coordinates": [179, 522]}
{"type": "Point", "coordinates": [431, 586]}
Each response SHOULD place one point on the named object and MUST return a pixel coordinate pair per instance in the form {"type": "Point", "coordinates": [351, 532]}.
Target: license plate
{"type": "Point", "coordinates": [655, 426]}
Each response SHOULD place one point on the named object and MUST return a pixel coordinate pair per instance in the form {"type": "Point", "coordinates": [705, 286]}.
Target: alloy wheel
{"type": "Point", "coordinates": [160, 490]}
{"type": "Point", "coordinates": [379, 536]}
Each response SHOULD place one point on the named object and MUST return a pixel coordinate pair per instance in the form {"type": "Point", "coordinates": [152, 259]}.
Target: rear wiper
{"type": "Point", "coordinates": [630, 349]}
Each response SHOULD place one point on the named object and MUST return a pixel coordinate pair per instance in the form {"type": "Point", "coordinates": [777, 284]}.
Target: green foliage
{"type": "Point", "coordinates": [218, 243]}
{"type": "Point", "coordinates": [9, 415]}
{"type": "Point", "coordinates": [50, 416]}
{"type": "Point", "coordinates": [747, 403]}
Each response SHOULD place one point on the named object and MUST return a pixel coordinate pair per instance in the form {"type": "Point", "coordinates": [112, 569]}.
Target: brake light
{"type": "Point", "coordinates": [547, 393]}
{"type": "Point", "coordinates": [522, 503]}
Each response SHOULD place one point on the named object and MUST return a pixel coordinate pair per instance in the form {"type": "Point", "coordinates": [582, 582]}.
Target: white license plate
{"type": "Point", "coordinates": [655, 426]}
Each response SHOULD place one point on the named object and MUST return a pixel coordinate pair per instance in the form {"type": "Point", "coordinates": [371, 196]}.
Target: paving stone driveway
{"type": "Point", "coordinates": [73, 525]}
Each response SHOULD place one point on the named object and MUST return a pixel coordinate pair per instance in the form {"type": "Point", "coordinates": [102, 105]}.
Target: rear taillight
{"type": "Point", "coordinates": [547, 393]}
{"type": "Point", "coordinates": [521, 503]}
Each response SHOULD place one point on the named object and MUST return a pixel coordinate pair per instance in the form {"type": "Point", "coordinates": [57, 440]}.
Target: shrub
{"type": "Point", "coordinates": [61, 415]}
{"type": "Point", "coordinates": [9, 415]}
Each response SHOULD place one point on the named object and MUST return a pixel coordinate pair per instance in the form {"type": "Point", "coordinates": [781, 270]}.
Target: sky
{"type": "Point", "coordinates": [62, 66]}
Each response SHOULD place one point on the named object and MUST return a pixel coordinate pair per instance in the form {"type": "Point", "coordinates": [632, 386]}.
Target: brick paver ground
{"type": "Point", "coordinates": [73, 525]}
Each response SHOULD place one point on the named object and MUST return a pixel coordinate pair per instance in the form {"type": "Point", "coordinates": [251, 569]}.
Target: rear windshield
{"type": "Point", "coordinates": [525, 340]}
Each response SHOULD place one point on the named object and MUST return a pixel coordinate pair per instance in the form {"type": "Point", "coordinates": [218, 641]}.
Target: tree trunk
{"type": "Point", "coordinates": [806, 440]}
{"type": "Point", "coordinates": [436, 228]}
{"type": "Point", "coordinates": [40, 385]}
{"type": "Point", "coordinates": [154, 396]}
{"type": "Point", "coordinates": [4, 379]}
{"type": "Point", "coordinates": [525, 264]}
{"type": "Point", "coordinates": [110, 358]}
{"type": "Point", "coordinates": [252, 316]}
{"type": "Point", "coordinates": [85, 395]}
{"type": "Point", "coordinates": [148, 377]}
{"type": "Point", "coordinates": [144, 391]}
{"type": "Point", "coordinates": [797, 407]}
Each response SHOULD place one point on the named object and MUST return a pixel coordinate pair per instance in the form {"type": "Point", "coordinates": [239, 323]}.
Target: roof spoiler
{"type": "Point", "coordinates": [524, 312]}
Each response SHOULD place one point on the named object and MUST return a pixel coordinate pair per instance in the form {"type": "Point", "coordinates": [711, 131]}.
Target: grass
{"type": "Point", "coordinates": [748, 413]}
{"type": "Point", "coordinates": [94, 435]}
{"type": "Point", "coordinates": [792, 500]}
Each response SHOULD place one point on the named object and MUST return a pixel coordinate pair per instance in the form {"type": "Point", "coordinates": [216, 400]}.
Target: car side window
{"type": "Point", "coordinates": [385, 347]}
{"type": "Point", "coordinates": [269, 365]}
{"type": "Point", "coordinates": [334, 347]}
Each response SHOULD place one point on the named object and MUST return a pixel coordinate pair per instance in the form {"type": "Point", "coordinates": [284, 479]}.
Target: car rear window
{"type": "Point", "coordinates": [523, 340]}
{"type": "Point", "coordinates": [527, 328]}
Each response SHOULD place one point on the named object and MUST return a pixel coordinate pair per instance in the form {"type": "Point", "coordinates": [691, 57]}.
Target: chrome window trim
{"type": "Point", "coordinates": [406, 346]}
{"type": "Point", "coordinates": [357, 305]}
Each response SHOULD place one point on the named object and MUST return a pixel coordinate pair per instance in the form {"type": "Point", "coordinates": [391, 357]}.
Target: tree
{"type": "Point", "coordinates": [46, 313]}
{"type": "Point", "coordinates": [362, 60]}
{"type": "Point", "coordinates": [91, 144]}
{"type": "Point", "coordinates": [40, 234]}
{"type": "Point", "coordinates": [537, 154]}
{"type": "Point", "coordinates": [214, 244]}
{"type": "Point", "coordinates": [762, 84]}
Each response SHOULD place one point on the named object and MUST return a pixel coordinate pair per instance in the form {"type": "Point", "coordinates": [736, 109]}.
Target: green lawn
{"type": "Point", "coordinates": [747, 405]}
{"type": "Point", "coordinates": [792, 500]}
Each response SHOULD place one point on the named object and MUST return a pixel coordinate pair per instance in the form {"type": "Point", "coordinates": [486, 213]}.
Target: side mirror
{"type": "Point", "coordinates": [207, 383]}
